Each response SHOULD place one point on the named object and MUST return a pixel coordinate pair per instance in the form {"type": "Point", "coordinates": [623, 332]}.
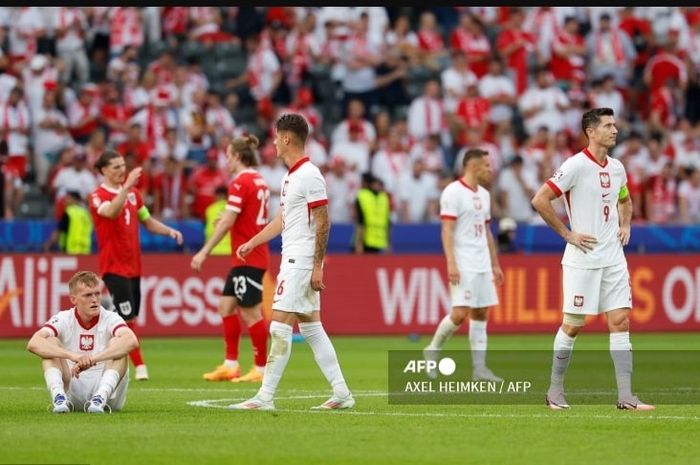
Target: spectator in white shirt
{"type": "Point", "coordinates": [76, 177]}
{"type": "Point", "coordinates": [355, 151]}
{"type": "Point", "coordinates": [516, 186]}
{"type": "Point", "coordinates": [542, 105]}
{"type": "Point", "coordinates": [498, 88]}
{"type": "Point", "coordinates": [418, 194]}
{"type": "Point", "coordinates": [689, 197]}
{"type": "Point", "coordinates": [342, 186]}
{"type": "Point", "coordinates": [356, 114]}
{"type": "Point", "coordinates": [70, 28]}
{"type": "Point", "coordinates": [456, 78]}
{"type": "Point", "coordinates": [389, 163]}
{"type": "Point", "coordinates": [50, 134]}
{"type": "Point", "coordinates": [425, 114]}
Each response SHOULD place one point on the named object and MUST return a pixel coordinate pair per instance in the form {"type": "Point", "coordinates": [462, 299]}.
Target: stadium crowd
{"type": "Point", "coordinates": [399, 92]}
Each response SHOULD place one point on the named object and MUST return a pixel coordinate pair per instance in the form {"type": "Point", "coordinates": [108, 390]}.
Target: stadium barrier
{"type": "Point", "coordinates": [398, 294]}
{"type": "Point", "coordinates": [28, 236]}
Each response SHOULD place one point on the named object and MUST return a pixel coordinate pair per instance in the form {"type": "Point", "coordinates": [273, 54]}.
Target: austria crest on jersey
{"type": "Point", "coordinates": [87, 342]}
{"type": "Point", "coordinates": [604, 180]}
{"type": "Point", "coordinates": [131, 197]}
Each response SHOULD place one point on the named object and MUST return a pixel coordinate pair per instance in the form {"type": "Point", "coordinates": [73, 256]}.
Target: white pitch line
{"type": "Point", "coordinates": [212, 403]}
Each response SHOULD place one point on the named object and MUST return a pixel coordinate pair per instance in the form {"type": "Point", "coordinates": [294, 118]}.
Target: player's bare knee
{"type": "Point", "coordinates": [458, 315]}
{"type": "Point", "coordinates": [478, 314]}
{"type": "Point", "coordinates": [251, 315]}
{"type": "Point", "coordinates": [619, 325]}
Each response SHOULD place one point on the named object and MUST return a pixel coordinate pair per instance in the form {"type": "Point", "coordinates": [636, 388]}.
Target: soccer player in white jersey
{"type": "Point", "coordinates": [303, 221]}
{"type": "Point", "coordinates": [84, 351]}
{"type": "Point", "coordinates": [595, 275]}
{"type": "Point", "coordinates": [472, 261]}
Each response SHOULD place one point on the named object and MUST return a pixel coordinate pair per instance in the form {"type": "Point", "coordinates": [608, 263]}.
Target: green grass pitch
{"type": "Point", "coordinates": [175, 417]}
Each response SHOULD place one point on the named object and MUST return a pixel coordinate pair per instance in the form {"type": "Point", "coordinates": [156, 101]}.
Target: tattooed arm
{"type": "Point", "coordinates": [323, 226]}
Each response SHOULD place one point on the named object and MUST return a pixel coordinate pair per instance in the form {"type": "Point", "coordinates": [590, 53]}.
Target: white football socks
{"type": "Point", "coordinates": [444, 331]}
{"type": "Point", "coordinates": [54, 381]}
{"type": "Point", "coordinates": [325, 356]}
{"type": "Point", "coordinates": [563, 346]}
{"type": "Point", "coordinates": [277, 358]}
{"type": "Point", "coordinates": [477, 342]}
{"type": "Point", "coordinates": [621, 353]}
{"type": "Point", "coordinates": [108, 383]}
{"type": "Point", "coordinates": [232, 364]}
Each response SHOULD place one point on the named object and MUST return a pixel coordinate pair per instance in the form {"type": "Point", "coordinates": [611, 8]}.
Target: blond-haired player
{"type": "Point", "coordinates": [84, 351]}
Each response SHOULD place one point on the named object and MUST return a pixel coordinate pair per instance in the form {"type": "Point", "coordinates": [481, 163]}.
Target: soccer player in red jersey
{"type": "Point", "coordinates": [245, 216]}
{"type": "Point", "coordinates": [117, 208]}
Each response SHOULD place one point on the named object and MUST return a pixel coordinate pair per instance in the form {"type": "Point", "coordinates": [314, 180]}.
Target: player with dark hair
{"type": "Point", "coordinates": [304, 224]}
{"type": "Point", "coordinates": [595, 275]}
{"type": "Point", "coordinates": [117, 209]}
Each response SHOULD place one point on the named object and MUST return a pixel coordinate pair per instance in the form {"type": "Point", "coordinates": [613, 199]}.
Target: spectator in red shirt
{"type": "Point", "coordinates": [430, 43]}
{"type": "Point", "coordinates": [666, 63]}
{"type": "Point", "coordinates": [469, 37]}
{"type": "Point", "coordinates": [568, 54]}
{"type": "Point", "coordinates": [115, 115]}
{"type": "Point", "coordinates": [472, 112]}
{"type": "Point", "coordinates": [515, 46]}
{"type": "Point", "coordinates": [204, 182]}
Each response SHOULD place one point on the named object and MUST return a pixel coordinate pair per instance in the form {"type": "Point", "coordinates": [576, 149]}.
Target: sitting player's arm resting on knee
{"type": "Point", "coordinates": [123, 342]}
{"type": "Point", "coordinates": [42, 345]}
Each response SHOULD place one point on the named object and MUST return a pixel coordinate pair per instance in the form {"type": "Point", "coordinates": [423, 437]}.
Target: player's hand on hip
{"type": "Point", "coordinates": [133, 177]}
{"type": "Point", "coordinates": [197, 261]}
{"type": "Point", "coordinates": [453, 274]}
{"type": "Point", "coordinates": [243, 250]}
{"type": "Point", "coordinates": [177, 235]}
{"type": "Point", "coordinates": [624, 235]}
{"type": "Point", "coordinates": [497, 275]}
{"type": "Point", "coordinates": [317, 279]}
{"type": "Point", "coordinates": [583, 242]}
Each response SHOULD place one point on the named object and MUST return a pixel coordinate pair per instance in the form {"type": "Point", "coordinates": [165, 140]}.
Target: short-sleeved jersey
{"type": "Point", "coordinates": [81, 338]}
{"type": "Point", "coordinates": [591, 191]}
{"type": "Point", "coordinates": [471, 211]}
{"type": "Point", "coordinates": [249, 197]}
{"type": "Point", "coordinates": [303, 189]}
{"type": "Point", "coordinates": [118, 241]}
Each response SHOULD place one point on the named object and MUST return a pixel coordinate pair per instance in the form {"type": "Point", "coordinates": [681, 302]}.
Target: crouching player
{"type": "Point", "coordinates": [84, 351]}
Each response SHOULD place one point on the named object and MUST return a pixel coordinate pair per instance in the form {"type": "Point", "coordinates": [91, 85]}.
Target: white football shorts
{"type": "Point", "coordinates": [595, 291]}
{"type": "Point", "coordinates": [293, 292]}
{"type": "Point", "coordinates": [475, 290]}
{"type": "Point", "coordinates": [81, 389]}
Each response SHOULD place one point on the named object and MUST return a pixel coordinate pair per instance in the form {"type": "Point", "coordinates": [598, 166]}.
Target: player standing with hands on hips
{"type": "Point", "coordinates": [595, 275]}
{"type": "Point", "coordinates": [117, 208]}
{"type": "Point", "coordinates": [303, 221]}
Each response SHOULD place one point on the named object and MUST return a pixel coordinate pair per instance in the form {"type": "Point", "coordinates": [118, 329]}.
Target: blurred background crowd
{"type": "Point", "coordinates": [393, 94]}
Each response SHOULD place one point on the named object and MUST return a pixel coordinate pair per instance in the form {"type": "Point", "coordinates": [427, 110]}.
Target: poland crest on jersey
{"type": "Point", "coordinates": [87, 342]}
{"type": "Point", "coordinates": [477, 203]}
{"type": "Point", "coordinates": [605, 180]}
{"type": "Point", "coordinates": [131, 197]}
